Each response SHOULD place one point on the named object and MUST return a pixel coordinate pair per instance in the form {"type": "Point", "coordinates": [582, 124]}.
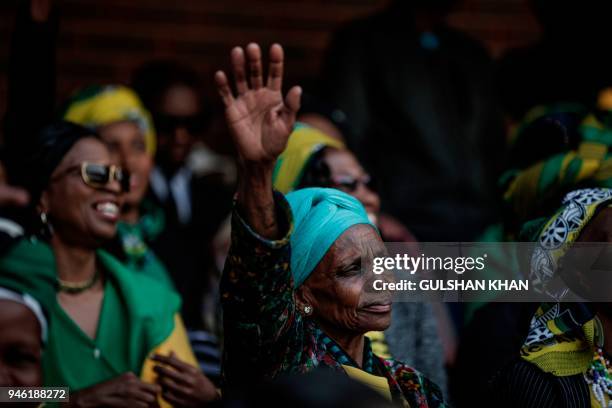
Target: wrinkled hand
{"type": "Point", "coordinates": [127, 390]}
{"type": "Point", "coordinates": [182, 384]}
{"type": "Point", "coordinates": [259, 120]}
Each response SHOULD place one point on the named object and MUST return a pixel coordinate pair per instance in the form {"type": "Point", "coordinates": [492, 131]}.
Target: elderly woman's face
{"type": "Point", "coordinates": [79, 213]}
{"type": "Point", "coordinates": [339, 290]}
{"type": "Point", "coordinates": [126, 144]}
{"type": "Point", "coordinates": [347, 175]}
{"type": "Point", "coordinates": [20, 346]}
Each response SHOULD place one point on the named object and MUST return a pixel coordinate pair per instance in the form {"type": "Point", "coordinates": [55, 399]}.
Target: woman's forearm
{"type": "Point", "coordinates": [255, 200]}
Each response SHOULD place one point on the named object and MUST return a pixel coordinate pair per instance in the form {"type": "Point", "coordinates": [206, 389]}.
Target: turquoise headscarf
{"type": "Point", "coordinates": [320, 216]}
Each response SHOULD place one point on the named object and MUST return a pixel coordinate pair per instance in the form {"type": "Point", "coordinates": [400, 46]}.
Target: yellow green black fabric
{"type": "Point", "coordinates": [97, 106]}
{"type": "Point", "coordinates": [562, 336]}
{"type": "Point", "coordinates": [303, 143]}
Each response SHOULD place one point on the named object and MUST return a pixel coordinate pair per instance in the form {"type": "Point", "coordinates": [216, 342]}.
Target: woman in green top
{"type": "Point", "coordinates": [116, 113]}
{"type": "Point", "coordinates": [105, 320]}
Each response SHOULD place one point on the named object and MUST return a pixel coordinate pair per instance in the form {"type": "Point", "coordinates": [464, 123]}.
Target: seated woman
{"type": "Point", "coordinates": [108, 341]}
{"type": "Point", "coordinates": [294, 296]}
{"type": "Point", "coordinates": [314, 159]}
{"type": "Point", "coordinates": [23, 332]}
{"type": "Point", "coordinates": [565, 360]}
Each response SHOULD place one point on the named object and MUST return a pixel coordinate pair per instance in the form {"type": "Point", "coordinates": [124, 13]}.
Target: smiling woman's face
{"type": "Point", "coordinates": [338, 289]}
{"type": "Point", "coordinates": [81, 214]}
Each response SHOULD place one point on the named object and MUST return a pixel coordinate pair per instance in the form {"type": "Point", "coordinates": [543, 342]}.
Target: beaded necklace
{"type": "Point", "coordinates": [599, 377]}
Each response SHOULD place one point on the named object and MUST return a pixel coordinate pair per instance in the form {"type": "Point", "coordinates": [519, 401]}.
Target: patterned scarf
{"type": "Point", "coordinates": [562, 336]}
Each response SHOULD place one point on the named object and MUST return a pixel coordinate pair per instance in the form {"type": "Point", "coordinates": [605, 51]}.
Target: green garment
{"type": "Point", "coordinates": [137, 315]}
{"type": "Point", "coordinates": [136, 253]}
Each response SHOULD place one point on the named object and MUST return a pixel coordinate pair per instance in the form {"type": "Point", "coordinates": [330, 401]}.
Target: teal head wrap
{"type": "Point", "coordinates": [320, 216]}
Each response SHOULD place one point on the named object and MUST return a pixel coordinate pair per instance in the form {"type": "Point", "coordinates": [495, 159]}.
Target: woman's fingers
{"type": "Point", "coordinates": [224, 88]}
{"type": "Point", "coordinates": [168, 384]}
{"type": "Point", "coordinates": [237, 58]}
{"type": "Point", "coordinates": [145, 397]}
{"type": "Point", "coordinates": [151, 389]}
{"type": "Point", "coordinates": [275, 70]}
{"type": "Point", "coordinates": [172, 361]}
{"type": "Point", "coordinates": [174, 399]}
{"type": "Point", "coordinates": [172, 374]}
{"type": "Point", "coordinates": [255, 70]}
{"type": "Point", "coordinates": [145, 393]}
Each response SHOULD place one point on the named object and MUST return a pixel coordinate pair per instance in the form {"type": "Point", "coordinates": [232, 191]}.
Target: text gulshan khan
{"type": "Point", "coordinates": [458, 265]}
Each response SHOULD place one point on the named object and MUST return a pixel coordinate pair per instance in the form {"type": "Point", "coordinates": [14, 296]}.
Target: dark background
{"type": "Point", "coordinates": [103, 41]}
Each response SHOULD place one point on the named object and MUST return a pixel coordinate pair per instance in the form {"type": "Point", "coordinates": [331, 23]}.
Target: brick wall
{"type": "Point", "coordinates": [104, 40]}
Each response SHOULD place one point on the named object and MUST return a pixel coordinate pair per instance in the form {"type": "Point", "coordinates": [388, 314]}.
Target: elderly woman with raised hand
{"type": "Point", "coordinates": [107, 340]}
{"type": "Point", "coordinates": [315, 159]}
{"type": "Point", "coordinates": [293, 291]}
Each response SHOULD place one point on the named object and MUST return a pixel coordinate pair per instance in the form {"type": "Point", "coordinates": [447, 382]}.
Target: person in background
{"type": "Point", "coordinates": [293, 294]}
{"type": "Point", "coordinates": [334, 123]}
{"type": "Point", "coordinates": [565, 357]}
{"type": "Point", "coordinates": [424, 116]}
{"type": "Point", "coordinates": [23, 333]}
{"type": "Point", "coordinates": [556, 149]}
{"type": "Point", "coordinates": [107, 341]}
{"type": "Point", "coordinates": [195, 199]}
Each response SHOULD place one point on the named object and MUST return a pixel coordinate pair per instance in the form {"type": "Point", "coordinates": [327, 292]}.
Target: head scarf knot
{"type": "Point", "coordinates": [320, 216]}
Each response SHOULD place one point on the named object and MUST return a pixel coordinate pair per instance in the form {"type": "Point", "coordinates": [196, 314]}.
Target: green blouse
{"type": "Point", "coordinates": [137, 315]}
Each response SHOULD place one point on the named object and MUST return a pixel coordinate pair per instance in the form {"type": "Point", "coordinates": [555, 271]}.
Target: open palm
{"type": "Point", "coordinates": [259, 120]}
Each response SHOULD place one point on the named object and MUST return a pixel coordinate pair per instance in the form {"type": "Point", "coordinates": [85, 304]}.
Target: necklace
{"type": "Point", "coordinates": [599, 377]}
{"type": "Point", "coordinates": [77, 287]}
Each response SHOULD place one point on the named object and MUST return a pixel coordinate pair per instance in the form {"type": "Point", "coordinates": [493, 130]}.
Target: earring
{"type": "Point", "coordinates": [46, 231]}
{"type": "Point", "coordinates": [308, 310]}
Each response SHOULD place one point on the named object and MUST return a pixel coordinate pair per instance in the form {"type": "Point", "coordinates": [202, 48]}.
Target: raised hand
{"type": "Point", "coordinates": [259, 120]}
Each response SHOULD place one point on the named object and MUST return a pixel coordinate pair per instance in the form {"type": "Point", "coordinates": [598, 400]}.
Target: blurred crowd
{"type": "Point", "coordinates": [139, 266]}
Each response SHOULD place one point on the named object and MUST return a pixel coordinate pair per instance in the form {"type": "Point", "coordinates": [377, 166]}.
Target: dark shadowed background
{"type": "Point", "coordinates": [103, 41]}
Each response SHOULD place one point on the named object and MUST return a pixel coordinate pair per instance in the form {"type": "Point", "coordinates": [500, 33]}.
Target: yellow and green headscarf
{"type": "Point", "coordinates": [303, 143]}
{"type": "Point", "coordinates": [589, 164]}
{"type": "Point", "coordinates": [97, 106]}
{"type": "Point", "coordinates": [562, 336]}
